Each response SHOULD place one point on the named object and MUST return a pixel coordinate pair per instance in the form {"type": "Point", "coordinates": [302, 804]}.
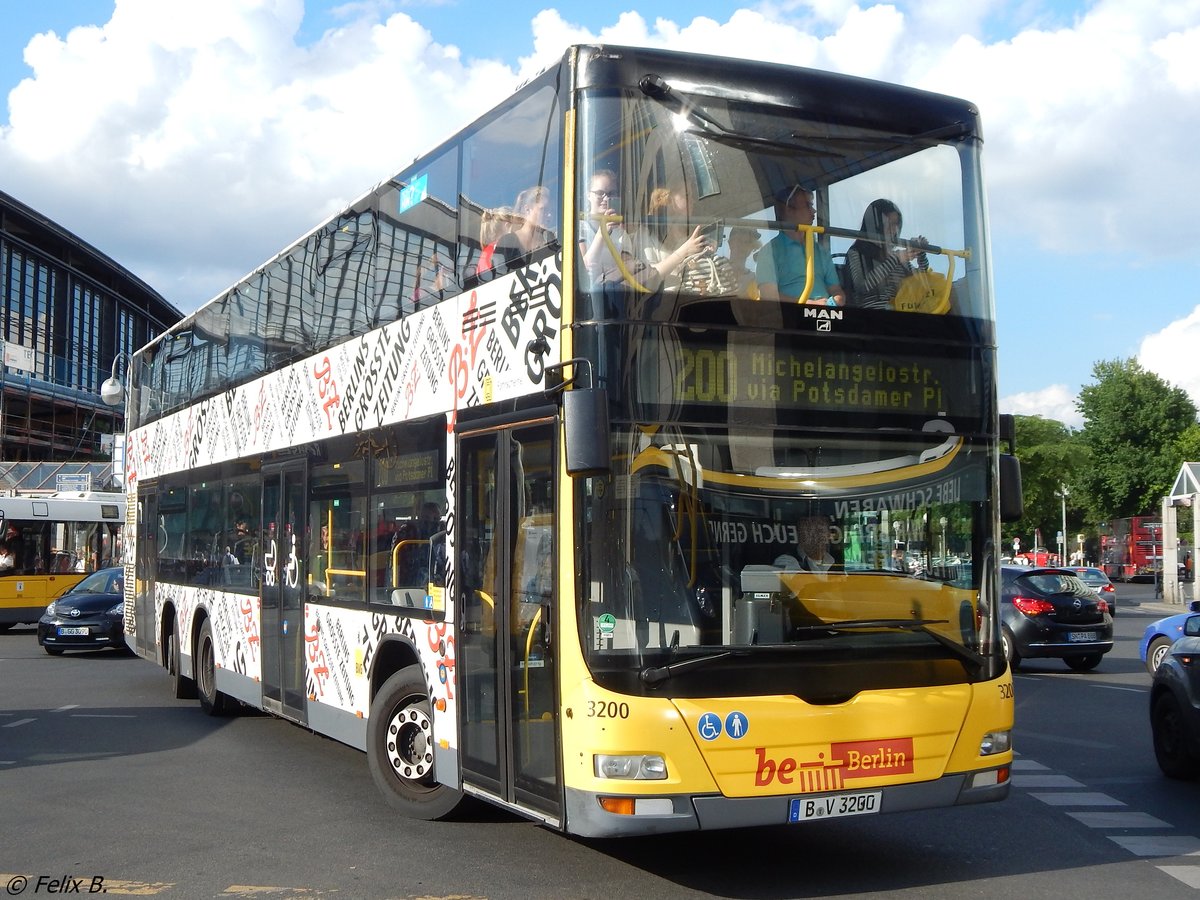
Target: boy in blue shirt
{"type": "Point", "coordinates": [782, 265]}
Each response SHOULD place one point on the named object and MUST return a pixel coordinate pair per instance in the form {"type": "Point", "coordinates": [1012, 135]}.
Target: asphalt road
{"type": "Point", "coordinates": [104, 776]}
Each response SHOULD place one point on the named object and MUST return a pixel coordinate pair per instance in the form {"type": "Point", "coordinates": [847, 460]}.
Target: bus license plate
{"type": "Point", "coordinates": [804, 809]}
{"type": "Point", "coordinates": [1077, 636]}
{"type": "Point", "coordinates": [75, 631]}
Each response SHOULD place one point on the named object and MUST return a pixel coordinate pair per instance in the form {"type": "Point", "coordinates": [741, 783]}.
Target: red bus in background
{"type": "Point", "coordinates": [1131, 547]}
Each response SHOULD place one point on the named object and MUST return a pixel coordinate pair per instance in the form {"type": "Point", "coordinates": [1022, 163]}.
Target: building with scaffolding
{"type": "Point", "coordinates": [69, 312]}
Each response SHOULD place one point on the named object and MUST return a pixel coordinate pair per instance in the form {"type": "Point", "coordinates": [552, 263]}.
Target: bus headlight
{"type": "Point", "coordinates": [634, 766]}
{"type": "Point", "coordinates": [995, 742]}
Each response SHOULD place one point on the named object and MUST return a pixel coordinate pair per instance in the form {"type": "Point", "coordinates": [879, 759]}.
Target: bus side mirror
{"type": "Point", "coordinates": [1008, 432]}
{"type": "Point", "coordinates": [585, 424]}
{"type": "Point", "coordinates": [1012, 504]}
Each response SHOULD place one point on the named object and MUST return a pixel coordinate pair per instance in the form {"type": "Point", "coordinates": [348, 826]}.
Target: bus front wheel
{"type": "Point", "coordinates": [400, 748]}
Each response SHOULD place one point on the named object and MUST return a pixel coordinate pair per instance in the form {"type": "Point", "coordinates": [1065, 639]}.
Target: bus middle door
{"type": "Point", "coordinates": [506, 607]}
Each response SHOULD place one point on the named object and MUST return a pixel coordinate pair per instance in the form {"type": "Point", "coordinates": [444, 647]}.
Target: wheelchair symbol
{"type": "Point", "coordinates": [709, 726]}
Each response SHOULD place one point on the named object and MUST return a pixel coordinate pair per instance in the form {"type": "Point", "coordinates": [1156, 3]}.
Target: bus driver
{"type": "Point", "coordinates": [812, 547]}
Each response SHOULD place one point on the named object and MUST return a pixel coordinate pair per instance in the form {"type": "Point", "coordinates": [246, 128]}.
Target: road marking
{"type": "Point", "coordinates": [1115, 687]}
{"type": "Point", "coordinates": [1118, 820]}
{"type": "Point", "coordinates": [1158, 844]}
{"type": "Point", "coordinates": [110, 886]}
{"type": "Point", "coordinates": [1023, 765]}
{"type": "Point", "coordinates": [18, 723]}
{"type": "Point", "coordinates": [1070, 742]}
{"type": "Point", "coordinates": [1044, 781]}
{"type": "Point", "coordinates": [252, 890]}
{"type": "Point", "coordinates": [1189, 875]}
{"type": "Point", "coordinates": [1078, 799]}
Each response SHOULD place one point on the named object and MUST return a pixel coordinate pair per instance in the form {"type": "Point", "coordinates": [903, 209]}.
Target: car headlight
{"type": "Point", "coordinates": [118, 609]}
{"type": "Point", "coordinates": [50, 608]}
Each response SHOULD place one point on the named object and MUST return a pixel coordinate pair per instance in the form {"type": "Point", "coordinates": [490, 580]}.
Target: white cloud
{"type": "Point", "coordinates": [1054, 402]}
{"type": "Point", "coordinates": [1171, 354]}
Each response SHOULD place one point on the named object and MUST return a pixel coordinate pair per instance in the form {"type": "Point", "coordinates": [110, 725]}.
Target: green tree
{"type": "Point", "coordinates": [1133, 424]}
{"type": "Point", "coordinates": [1050, 455]}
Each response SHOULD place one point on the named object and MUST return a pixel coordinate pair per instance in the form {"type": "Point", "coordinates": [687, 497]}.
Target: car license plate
{"type": "Point", "coordinates": [73, 631]}
{"type": "Point", "coordinates": [833, 806]}
{"type": "Point", "coordinates": [1078, 636]}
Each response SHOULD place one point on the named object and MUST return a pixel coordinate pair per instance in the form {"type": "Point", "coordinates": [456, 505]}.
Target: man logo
{"type": "Point", "coordinates": [824, 325]}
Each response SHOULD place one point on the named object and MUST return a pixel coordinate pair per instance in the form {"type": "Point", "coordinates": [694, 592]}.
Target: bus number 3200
{"type": "Point", "coordinates": [611, 709]}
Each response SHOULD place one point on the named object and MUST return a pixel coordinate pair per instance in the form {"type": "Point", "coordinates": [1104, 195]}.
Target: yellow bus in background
{"type": "Point", "coordinates": [49, 543]}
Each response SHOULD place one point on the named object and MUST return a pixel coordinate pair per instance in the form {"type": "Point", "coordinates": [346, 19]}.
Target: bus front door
{"type": "Point", "coordinates": [283, 549]}
{"type": "Point", "coordinates": [505, 587]}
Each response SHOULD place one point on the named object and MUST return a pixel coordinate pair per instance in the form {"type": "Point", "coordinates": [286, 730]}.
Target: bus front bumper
{"type": "Point", "coordinates": [586, 817]}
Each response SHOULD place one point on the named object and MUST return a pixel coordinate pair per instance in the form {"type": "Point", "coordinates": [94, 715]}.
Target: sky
{"type": "Point", "coordinates": [192, 140]}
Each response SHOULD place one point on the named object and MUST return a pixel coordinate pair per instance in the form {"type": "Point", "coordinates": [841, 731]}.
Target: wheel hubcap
{"type": "Point", "coordinates": [410, 743]}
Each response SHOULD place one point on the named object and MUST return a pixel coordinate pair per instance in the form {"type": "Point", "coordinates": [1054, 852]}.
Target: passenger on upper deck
{"type": "Point", "coordinates": [532, 210]}
{"type": "Point", "coordinates": [782, 264]}
{"type": "Point", "coordinates": [667, 227]}
{"type": "Point", "coordinates": [598, 259]}
{"type": "Point", "coordinates": [742, 243]}
{"type": "Point", "coordinates": [875, 264]}
{"type": "Point", "coordinates": [493, 225]}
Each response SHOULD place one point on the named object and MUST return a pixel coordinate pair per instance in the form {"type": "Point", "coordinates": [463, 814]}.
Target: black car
{"type": "Point", "coordinates": [1175, 706]}
{"type": "Point", "coordinates": [1050, 612]}
{"type": "Point", "coordinates": [87, 616]}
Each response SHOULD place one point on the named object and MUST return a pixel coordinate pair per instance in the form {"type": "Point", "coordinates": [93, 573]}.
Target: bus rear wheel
{"type": "Point", "coordinates": [400, 748]}
{"type": "Point", "coordinates": [181, 686]}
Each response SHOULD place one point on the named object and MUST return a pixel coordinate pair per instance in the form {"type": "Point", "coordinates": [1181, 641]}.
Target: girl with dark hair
{"type": "Point", "coordinates": [875, 264]}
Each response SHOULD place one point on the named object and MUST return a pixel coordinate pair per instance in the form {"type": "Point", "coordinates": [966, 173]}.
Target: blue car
{"type": "Point", "coordinates": [1160, 635]}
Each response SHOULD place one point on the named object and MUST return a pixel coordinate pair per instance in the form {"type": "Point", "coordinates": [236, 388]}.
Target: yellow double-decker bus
{"type": "Point", "coordinates": [48, 543]}
{"type": "Point", "coordinates": [622, 461]}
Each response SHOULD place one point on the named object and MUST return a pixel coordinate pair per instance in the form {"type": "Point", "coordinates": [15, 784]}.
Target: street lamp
{"type": "Point", "coordinates": [112, 392]}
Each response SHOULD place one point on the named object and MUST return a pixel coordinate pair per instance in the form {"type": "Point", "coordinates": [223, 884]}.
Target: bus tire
{"type": "Point", "coordinates": [182, 687]}
{"type": "Point", "coordinates": [212, 701]}
{"type": "Point", "coordinates": [400, 748]}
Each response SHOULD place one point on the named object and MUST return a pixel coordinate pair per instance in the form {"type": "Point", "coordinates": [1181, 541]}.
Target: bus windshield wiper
{"type": "Point", "coordinates": [918, 625]}
{"type": "Point", "coordinates": [655, 675]}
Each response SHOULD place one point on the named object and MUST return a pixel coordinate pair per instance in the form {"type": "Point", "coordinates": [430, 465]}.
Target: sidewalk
{"type": "Point", "coordinates": [1167, 609]}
